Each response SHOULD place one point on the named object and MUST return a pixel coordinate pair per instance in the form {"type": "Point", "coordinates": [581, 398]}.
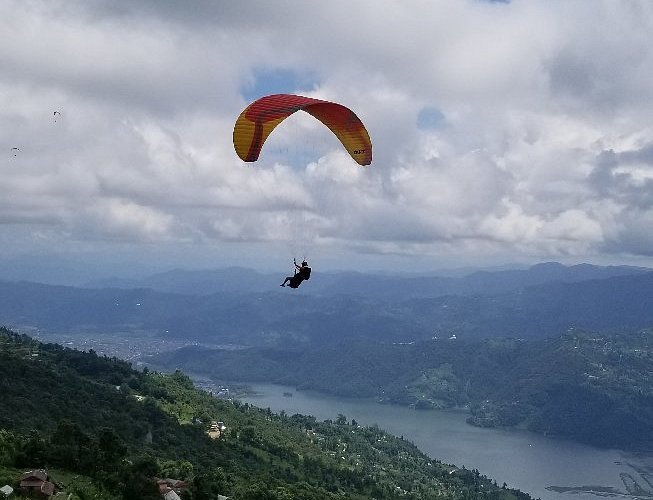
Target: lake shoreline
{"type": "Point", "coordinates": [546, 467]}
{"type": "Point", "coordinates": [244, 389]}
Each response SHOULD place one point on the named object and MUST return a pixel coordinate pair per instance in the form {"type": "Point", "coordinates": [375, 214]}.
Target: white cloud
{"type": "Point", "coordinates": [542, 148]}
{"type": "Point", "coordinates": [126, 220]}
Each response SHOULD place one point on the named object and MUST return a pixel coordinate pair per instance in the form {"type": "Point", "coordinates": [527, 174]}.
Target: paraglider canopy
{"type": "Point", "coordinates": [259, 119]}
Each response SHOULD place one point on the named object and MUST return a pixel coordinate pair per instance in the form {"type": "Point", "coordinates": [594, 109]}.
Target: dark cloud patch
{"type": "Point", "coordinates": [634, 235]}
{"type": "Point", "coordinates": [602, 176]}
{"type": "Point", "coordinates": [609, 159]}
{"type": "Point", "coordinates": [573, 75]}
{"type": "Point", "coordinates": [204, 11]}
{"type": "Point", "coordinates": [619, 176]}
{"type": "Point", "coordinates": [198, 13]}
{"type": "Point", "coordinates": [642, 155]}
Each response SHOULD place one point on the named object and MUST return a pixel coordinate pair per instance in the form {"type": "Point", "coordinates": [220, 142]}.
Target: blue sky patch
{"type": "Point", "coordinates": [277, 81]}
{"type": "Point", "coordinates": [430, 117]}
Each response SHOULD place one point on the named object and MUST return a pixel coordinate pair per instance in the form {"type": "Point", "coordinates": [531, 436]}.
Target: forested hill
{"type": "Point", "coordinates": [593, 388]}
{"type": "Point", "coordinates": [105, 431]}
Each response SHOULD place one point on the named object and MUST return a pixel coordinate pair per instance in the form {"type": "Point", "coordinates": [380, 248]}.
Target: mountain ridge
{"type": "Point", "coordinates": [280, 316]}
{"type": "Point", "coordinates": [383, 286]}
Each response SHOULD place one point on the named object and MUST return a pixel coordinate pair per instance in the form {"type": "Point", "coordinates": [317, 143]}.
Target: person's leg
{"type": "Point", "coordinates": [288, 278]}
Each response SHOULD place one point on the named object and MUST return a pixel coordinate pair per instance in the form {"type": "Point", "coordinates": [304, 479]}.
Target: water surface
{"type": "Point", "coordinates": [547, 468]}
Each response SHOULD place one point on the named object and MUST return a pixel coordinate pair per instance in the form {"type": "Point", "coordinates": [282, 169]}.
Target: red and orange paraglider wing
{"type": "Point", "coordinates": [259, 119]}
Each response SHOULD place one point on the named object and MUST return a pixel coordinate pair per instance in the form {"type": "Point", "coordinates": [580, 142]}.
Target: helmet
{"type": "Point", "coordinates": [304, 263]}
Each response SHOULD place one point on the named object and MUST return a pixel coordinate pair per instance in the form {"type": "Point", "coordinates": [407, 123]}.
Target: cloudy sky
{"type": "Point", "coordinates": [503, 132]}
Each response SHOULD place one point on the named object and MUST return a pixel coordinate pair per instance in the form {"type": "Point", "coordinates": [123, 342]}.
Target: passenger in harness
{"type": "Point", "coordinates": [302, 273]}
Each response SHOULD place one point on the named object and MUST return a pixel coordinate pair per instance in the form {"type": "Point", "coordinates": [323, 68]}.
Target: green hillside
{"type": "Point", "coordinates": [104, 430]}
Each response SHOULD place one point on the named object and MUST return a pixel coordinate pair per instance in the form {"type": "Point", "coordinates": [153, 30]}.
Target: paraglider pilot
{"type": "Point", "coordinates": [302, 273]}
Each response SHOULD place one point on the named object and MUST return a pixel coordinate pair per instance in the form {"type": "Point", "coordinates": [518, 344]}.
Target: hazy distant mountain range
{"type": "Point", "coordinates": [392, 287]}
{"type": "Point", "coordinates": [245, 307]}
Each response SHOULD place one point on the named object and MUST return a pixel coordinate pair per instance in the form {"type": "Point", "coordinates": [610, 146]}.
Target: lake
{"type": "Point", "coordinates": [547, 468]}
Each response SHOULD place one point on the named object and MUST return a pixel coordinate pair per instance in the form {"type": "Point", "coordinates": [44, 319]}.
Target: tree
{"type": "Point", "coordinates": [177, 469]}
{"type": "Point", "coordinates": [70, 447]}
{"type": "Point", "coordinates": [209, 484]}
{"type": "Point", "coordinates": [112, 448]}
{"type": "Point", "coordinates": [7, 448]}
{"type": "Point", "coordinates": [138, 479]}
